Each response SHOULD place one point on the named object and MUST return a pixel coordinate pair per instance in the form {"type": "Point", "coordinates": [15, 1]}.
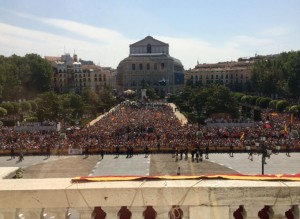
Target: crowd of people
{"type": "Point", "coordinates": [154, 126]}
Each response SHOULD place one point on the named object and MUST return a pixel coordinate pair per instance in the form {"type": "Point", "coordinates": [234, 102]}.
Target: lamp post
{"type": "Point", "coordinates": [265, 152]}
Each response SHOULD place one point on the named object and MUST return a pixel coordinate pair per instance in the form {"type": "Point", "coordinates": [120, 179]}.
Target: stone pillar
{"type": "Point", "coordinates": [54, 212]}
{"type": "Point", "coordinates": [137, 212]}
{"type": "Point", "coordinates": [162, 211]}
{"type": "Point", "coordinates": [252, 211]}
{"type": "Point", "coordinates": [279, 211]}
{"type": "Point", "coordinates": [209, 212]}
{"type": "Point", "coordinates": [85, 213]}
{"type": "Point", "coordinates": [111, 212]}
{"type": "Point", "coordinates": [8, 213]}
{"type": "Point", "coordinates": [296, 212]}
{"type": "Point", "coordinates": [186, 212]}
{"type": "Point", "coordinates": [34, 213]}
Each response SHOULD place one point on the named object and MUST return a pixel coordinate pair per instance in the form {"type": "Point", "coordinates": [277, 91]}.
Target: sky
{"type": "Point", "coordinates": [204, 31]}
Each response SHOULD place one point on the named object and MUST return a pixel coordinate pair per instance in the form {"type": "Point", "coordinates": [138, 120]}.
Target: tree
{"type": "Point", "coordinates": [3, 112]}
{"type": "Point", "coordinates": [25, 106]}
{"type": "Point", "coordinates": [221, 100]}
{"type": "Point", "coordinates": [8, 106]}
{"type": "Point", "coordinates": [48, 106]}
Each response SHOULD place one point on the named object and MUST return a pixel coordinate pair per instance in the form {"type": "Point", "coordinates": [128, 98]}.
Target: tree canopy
{"type": "Point", "coordinates": [24, 77]}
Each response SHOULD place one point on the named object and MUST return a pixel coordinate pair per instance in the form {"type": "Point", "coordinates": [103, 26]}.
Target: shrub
{"type": "Point", "coordinates": [3, 111]}
{"type": "Point", "coordinates": [8, 106]}
{"type": "Point", "coordinates": [263, 102]}
{"type": "Point", "coordinates": [281, 105]}
{"type": "Point", "coordinates": [272, 104]}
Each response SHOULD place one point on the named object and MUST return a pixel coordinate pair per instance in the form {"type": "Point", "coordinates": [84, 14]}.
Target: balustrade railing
{"type": "Point", "coordinates": [164, 199]}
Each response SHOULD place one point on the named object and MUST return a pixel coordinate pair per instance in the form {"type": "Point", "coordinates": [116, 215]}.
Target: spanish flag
{"type": "Point", "coordinates": [242, 138]}
{"type": "Point", "coordinates": [292, 119]}
{"type": "Point", "coordinates": [286, 129]}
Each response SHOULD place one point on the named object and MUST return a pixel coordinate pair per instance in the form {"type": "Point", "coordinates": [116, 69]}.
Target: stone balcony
{"type": "Point", "coordinates": [193, 199]}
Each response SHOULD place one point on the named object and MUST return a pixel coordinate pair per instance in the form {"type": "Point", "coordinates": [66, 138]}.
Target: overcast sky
{"type": "Point", "coordinates": [205, 30]}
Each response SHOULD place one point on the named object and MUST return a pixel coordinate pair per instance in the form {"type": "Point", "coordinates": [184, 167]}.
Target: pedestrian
{"type": "Point", "coordinates": [146, 151]}
{"type": "Point", "coordinates": [287, 149]}
{"type": "Point", "coordinates": [250, 154]}
{"type": "Point", "coordinates": [231, 150]}
{"type": "Point", "coordinates": [48, 151]}
{"type": "Point", "coordinates": [102, 153]}
{"type": "Point", "coordinates": [206, 152]}
{"type": "Point", "coordinates": [12, 152]}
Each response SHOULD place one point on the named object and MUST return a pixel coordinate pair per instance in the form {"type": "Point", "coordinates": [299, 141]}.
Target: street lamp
{"type": "Point", "coordinates": [266, 151]}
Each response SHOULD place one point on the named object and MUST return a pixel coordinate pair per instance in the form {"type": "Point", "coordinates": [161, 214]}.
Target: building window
{"type": "Point", "coordinates": [133, 66]}
{"type": "Point", "coordinates": [162, 65]}
{"type": "Point", "coordinates": [149, 48]}
{"type": "Point", "coordinates": [141, 66]}
{"type": "Point", "coordinates": [148, 66]}
{"type": "Point", "coordinates": [155, 66]}
{"type": "Point", "coordinates": [212, 76]}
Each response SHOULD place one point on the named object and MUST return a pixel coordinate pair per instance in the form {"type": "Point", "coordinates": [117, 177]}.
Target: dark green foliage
{"type": "Point", "coordinates": [3, 111]}
{"type": "Point", "coordinates": [281, 105]}
{"type": "Point", "coordinates": [24, 77]}
{"type": "Point", "coordinates": [280, 75]}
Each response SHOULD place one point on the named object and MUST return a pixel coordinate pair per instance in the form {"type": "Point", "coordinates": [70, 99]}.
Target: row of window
{"type": "Point", "coordinates": [218, 81]}
{"type": "Point", "coordinates": [147, 66]}
{"type": "Point", "coordinates": [217, 76]}
{"type": "Point", "coordinates": [83, 75]}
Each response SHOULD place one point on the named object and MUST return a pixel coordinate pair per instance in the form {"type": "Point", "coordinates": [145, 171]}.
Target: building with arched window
{"type": "Point", "coordinates": [149, 64]}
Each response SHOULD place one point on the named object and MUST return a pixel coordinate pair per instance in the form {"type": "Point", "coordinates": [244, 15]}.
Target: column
{"type": "Point", "coordinates": [252, 211]}
{"type": "Point", "coordinates": [34, 213]}
{"type": "Point", "coordinates": [111, 212]}
{"type": "Point", "coordinates": [8, 213]}
{"type": "Point", "coordinates": [137, 212]}
{"type": "Point", "coordinates": [54, 212]}
{"type": "Point", "coordinates": [85, 213]}
{"type": "Point", "coordinates": [162, 211]}
{"type": "Point", "coordinates": [186, 212]}
{"type": "Point", "coordinates": [209, 212]}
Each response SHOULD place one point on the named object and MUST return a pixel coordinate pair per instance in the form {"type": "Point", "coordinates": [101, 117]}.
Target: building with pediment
{"type": "Point", "coordinates": [149, 64]}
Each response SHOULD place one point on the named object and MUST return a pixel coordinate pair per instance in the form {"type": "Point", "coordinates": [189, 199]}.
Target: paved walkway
{"type": "Point", "coordinates": [122, 166]}
{"type": "Point", "coordinates": [178, 114]}
{"type": "Point", "coordinates": [277, 164]}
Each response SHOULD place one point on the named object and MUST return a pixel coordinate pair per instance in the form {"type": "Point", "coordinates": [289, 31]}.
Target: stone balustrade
{"type": "Point", "coordinates": [186, 199]}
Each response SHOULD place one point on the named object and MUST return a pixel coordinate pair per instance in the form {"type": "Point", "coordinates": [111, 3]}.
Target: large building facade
{"type": "Point", "coordinates": [234, 74]}
{"type": "Point", "coordinates": [71, 74]}
{"type": "Point", "coordinates": [149, 64]}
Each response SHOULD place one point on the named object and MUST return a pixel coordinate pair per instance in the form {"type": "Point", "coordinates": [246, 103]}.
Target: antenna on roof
{"type": "Point", "coordinates": [64, 49]}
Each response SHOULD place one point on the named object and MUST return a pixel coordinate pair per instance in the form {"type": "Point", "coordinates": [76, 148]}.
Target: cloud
{"type": "Point", "coordinates": [242, 41]}
{"type": "Point", "coordinates": [20, 41]}
{"type": "Point", "coordinates": [108, 47]}
{"type": "Point", "coordinates": [276, 31]}
{"type": "Point", "coordinates": [191, 50]}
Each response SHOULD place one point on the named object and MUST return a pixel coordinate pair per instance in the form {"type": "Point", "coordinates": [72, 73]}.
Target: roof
{"type": "Point", "coordinates": [52, 58]}
{"type": "Point", "coordinates": [148, 39]}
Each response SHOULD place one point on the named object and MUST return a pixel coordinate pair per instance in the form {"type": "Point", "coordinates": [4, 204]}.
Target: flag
{"type": "Point", "coordinates": [242, 138]}
{"type": "Point", "coordinates": [292, 119]}
{"type": "Point", "coordinates": [286, 129]}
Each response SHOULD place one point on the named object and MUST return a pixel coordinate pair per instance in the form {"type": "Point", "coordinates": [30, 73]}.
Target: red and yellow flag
{"type": "Point", "coordinates": [242, 138]}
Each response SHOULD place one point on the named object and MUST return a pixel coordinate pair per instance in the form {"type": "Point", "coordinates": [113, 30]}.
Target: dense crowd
{"type": "Point", "coordinates": [155, 126]}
